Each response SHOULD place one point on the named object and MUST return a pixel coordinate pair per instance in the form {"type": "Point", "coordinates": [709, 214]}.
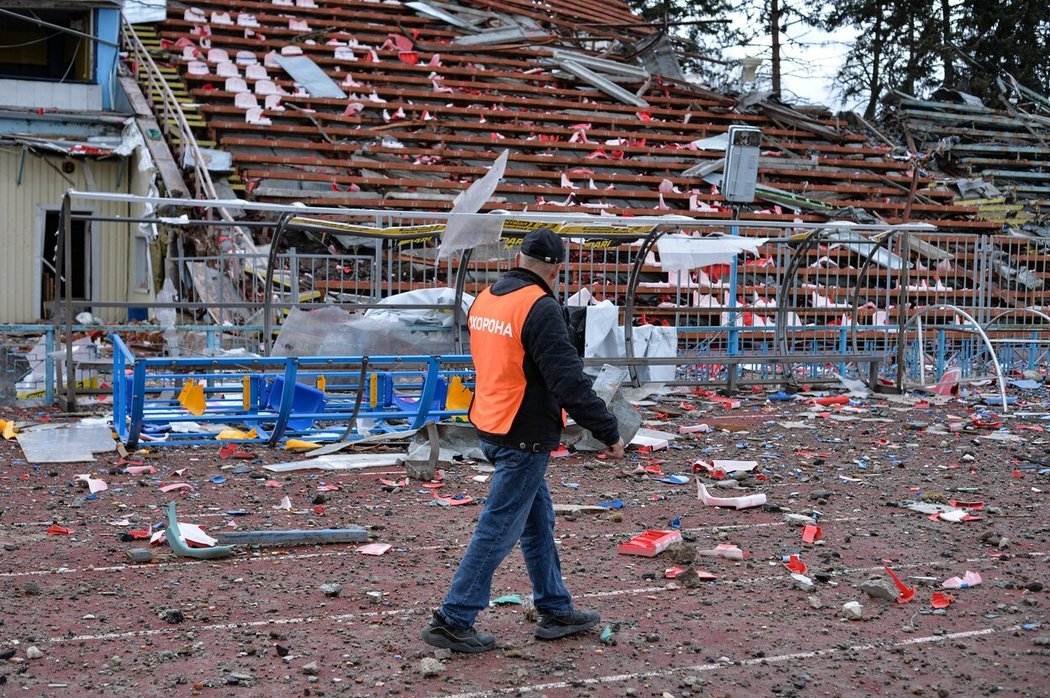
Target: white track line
{"type": "Point", "coordinates": [305, 556]}
{"type": "Point", "coordinates": [697, 668]}
{"type": "Point", "coordinates": [403, 611]}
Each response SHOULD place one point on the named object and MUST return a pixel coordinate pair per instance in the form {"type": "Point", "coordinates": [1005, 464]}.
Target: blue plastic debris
{"type": "Point", "coordinates": [676, 522]}
{"type": "Point", "coordinates": [614, 504]}
{"type": "Point", "coordinates": [675, 479]}
{"type": "Point", "coordinates": [218, 480]}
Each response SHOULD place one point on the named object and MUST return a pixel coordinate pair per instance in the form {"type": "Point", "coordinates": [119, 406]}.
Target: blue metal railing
{"type": "Point", "coordinates": [276, 396]}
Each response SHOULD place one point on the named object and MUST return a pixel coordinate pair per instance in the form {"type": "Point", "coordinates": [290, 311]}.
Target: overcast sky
{"type": "Point", "coordinates": [810, 60]}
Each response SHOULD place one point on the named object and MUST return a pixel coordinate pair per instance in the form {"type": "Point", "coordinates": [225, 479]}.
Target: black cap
{"type": "Point", "coordinates": [543, 244]}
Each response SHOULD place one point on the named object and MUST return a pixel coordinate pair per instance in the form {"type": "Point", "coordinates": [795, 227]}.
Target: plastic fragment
{"type": "Point", "coordinates": [904, 592]}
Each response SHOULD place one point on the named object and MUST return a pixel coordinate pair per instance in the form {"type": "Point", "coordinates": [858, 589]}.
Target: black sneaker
{"type": "Point", "coordinates": [553, 627]}
{"type": "Point", "coordinates": [440, 634]}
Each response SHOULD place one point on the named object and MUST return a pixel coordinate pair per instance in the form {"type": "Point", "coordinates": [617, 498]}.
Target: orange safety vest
{"type": "Point", "coordinates": [495, 324]}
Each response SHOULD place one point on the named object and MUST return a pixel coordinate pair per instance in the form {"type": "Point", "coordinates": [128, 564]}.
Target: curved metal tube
{"type": "Point", "coordinates": [271, 260]}
{"type": "Point", "coordinates": [786, 290]}
{"type": "Point", "coordinates": [628, 308]}
{"type": "Point", "coordinates": [855, 298]}
{"type": "Point", "coordinates": [457, 310]}
{"type": "Point", "coordinates": [984, 337]}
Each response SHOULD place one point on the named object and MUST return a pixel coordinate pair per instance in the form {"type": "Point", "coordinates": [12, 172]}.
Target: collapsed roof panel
{"type": "Point", "coordinates": [435, 89]}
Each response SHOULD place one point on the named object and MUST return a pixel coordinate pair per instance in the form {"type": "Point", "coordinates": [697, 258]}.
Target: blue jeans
{"type": "Point", "coordinates": [518, 507]}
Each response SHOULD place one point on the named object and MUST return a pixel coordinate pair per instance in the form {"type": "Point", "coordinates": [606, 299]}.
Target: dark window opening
{"type": "Point", "coordinates": [30, 51]}
{"type": "Point", "coordinates": [81, 278]}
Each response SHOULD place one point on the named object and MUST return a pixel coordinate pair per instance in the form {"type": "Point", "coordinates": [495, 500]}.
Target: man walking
{"type": "Point", "coordinates": [527, 372]}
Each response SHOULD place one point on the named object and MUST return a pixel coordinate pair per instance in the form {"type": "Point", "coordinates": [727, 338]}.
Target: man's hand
{"type": "Point", "coordinates": [615, 452]}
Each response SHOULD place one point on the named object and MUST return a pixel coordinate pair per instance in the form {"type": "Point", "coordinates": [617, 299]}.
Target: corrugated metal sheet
{"type": "Point", "coordinates": [23, 205]}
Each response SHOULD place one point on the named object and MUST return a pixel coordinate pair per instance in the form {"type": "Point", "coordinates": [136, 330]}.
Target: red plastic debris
{"type": "Point", "coordinates": [941, 600]}
{"type": "Point", "coordinates": [967, 505]}
{"type": "Point", "coordinates": [139, 535]}
{"type": "Point", "coordinates": [650, 543]}
{"type": "Point", "coordinates": [812, 534]}
{"type": "Point", "coordinates": [394, 483]}
{"type": "Point", "coordinates": [231, 450]}
{"type": "Point", "coordinates": [794, 564]}
{"type": "Point", "coordinates": [986, 421]}
{"type": "Point", "coordinates": [56, 530]}
{"type": "Point", "coordinates": [828, 401]}
{"type": "Point", "coordinates": [904, 592]}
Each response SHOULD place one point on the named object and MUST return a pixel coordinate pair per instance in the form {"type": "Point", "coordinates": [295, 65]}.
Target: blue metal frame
{"type": "Point", "coordinates": [147, 402]}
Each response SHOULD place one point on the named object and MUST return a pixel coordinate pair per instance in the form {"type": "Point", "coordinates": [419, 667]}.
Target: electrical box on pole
{"type": "Point", "coordinates": [741, 170]}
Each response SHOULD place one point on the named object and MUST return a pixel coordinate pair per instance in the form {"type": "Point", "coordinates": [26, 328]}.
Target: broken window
{"type": "Point", "coordinates": [35, 52]}
{"type": "Point", "coordinates": [81, 257]}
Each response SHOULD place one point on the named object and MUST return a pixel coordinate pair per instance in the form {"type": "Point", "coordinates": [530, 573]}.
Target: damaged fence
{"type": "Point", "coordinates": [678, 301]}
{"type": "Point", "coordinates": [184, 401]}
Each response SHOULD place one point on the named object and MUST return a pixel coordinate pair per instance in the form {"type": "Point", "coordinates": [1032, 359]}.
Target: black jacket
{"type": "Point", "coordinates": [554, 377]}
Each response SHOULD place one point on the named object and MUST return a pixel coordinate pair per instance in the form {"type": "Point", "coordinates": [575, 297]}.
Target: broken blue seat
{"type": "Point", "coordinates": [306, 399]}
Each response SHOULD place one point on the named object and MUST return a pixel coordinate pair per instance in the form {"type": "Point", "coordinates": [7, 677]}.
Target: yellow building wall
{"type": "Point", "coordinates": [41, 186]}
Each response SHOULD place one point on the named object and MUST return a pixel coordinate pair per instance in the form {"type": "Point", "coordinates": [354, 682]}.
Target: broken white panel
{"type": "Point", "coordinates": [856, 242]}
{"type": "Point", "coordinates": [653, 438]}
{"type": "Point", "coordinates": [602, 64]}
{"type": "Point", "coordinates": [308, 74]}
{"type": "Point", "coordinates": [606, 86]}
{"type": "Point", "coordinates": [213, 160]}
{"type": "Point", "coordinates": [350, 461]}
{"type": "Point", "coordinates": [685, 253]}
{"type": "Point", "coordinates": [501, 35]}
{"type": "Point", "coordinates": [437, 13]}
{"type": "Point", "coordinates": [466, 230]}
{"type": "Point", "coordinates": [65, 443]}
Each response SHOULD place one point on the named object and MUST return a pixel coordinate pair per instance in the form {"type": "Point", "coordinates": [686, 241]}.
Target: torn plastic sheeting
{"type": "Point", "coordinates": [334, 332]}
{"type": "Point", "coordinates": [454, 439]}
{"type": "Point", "coordinates": [685, 252]}
{"type": "Point", "coordinates": [465, 228]}
{"type": "Point", "coordinates": [604, 338]}
{"type": "Point", "coordinates": [465, 231]}
{"type": "Point", "coordinates": [182, 549]}
{"type": "Point", "coordinates": [308, 74]}
{"type": "Point", "coordinates": [422, 317]}
{"type": "Point", "coordinates": [969, 579]}
{"type": "Point", "coordinates": [746, 502]}
{"type": "Point", "coordinates": [65, 443]}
